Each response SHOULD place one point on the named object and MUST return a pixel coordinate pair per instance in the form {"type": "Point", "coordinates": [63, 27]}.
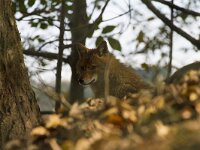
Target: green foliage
{"type": "Point", "coordinates": [34, 24]}
{"type": "Point", "coordinates": [43, 2]}
{"type": "Point", "coordinates": [108, 29]}
{"type": "Point", "coordinates": [115, 44]}
{"type": "Point", "coordinates": [43, 25]}
{"type": "Point", "coordinates": [99, 40]}
{"type": "Point", "coordinates": [22, 7]}
{"type": "Point", "coordinates": [150, 18]}
{"type": "Point", "coordinates": [50, 21]}
{"type": "Point", "coordinates": [140, 37]}
{"type": "Point", "coordinates": [31, 3]}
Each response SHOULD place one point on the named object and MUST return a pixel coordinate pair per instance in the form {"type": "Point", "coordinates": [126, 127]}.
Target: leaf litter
{"type": "Point", "coordinates": [165, 118]}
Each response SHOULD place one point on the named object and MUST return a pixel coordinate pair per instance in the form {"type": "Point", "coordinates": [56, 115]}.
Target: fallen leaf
{"type": "Point", "coordinates": [39, 131]}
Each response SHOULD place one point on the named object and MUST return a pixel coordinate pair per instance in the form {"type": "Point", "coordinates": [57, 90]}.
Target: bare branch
{"type": "Point", "coordinates": [184, 10]}
{"type": "Point", "coordinates": [92, 26]}
{"type": "Point", "coordinates": [67, 46]}
{"type": "Point", "coordinates": [171, 43]}
{"type": "Point", "coordinates": [44, 44]}
{"type": "Point", "coordinates": [34, 12]}
{"type": "Point", "coordinates": [93, 9]}
{"type": "Point", "coordinates": [46, 55]}
{"type": "Point", "coordinates": [99, 18]}
{"type": "Point", "coordinates": [184, 34]}
{"type": "Point", "coordinates": [120, 15]}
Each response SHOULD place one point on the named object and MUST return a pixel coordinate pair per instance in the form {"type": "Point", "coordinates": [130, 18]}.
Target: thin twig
{"type": "Point", "coordinates": [184, 10]}
{"type": "Point", "coordinates": [181, 32]}
{"type": "Point", "coordinates": [34, 12]}
{"type": "Point", "coordinates": [99, 18]}
{"type": "Point", "coordinates": [60, 53]}
{"type": "Point", "coordinates": [171, 43]}
{"type": "Point", "coordinates": [120, 15]}
{"type": "Point", "coordinates": [46, 55]}
{"type": "Point", "coordinates": [93, 9]}
{"type": "Point", "coordinates": [44, 44]}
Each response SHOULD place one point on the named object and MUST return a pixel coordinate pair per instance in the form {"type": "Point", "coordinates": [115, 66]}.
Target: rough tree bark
{"type": "Point", "coordinates": [19, 112]}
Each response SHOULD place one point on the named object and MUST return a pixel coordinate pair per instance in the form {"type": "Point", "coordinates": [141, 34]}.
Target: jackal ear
{"type": "Point", "coordinates": [81, 49]}
{"type": "Point", "coordinates": [102, 48]}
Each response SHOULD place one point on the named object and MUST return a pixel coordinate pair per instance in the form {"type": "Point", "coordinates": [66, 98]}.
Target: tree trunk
{"type": "Point", "coordinates": [19, 112]}
{"type": "Point", "coordinates": [79, 30]}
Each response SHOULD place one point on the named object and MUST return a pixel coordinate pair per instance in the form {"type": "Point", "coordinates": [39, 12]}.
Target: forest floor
{"type": "Point", "coordinates": [166, 118]}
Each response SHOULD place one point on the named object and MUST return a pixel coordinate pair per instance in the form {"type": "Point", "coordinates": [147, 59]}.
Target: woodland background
{"type": "Point", "coordinates": [155, 35]}
{"type": "Point", "coordinates": [134, 30]}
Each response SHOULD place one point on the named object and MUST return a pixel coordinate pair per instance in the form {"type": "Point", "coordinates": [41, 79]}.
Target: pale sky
{"type": "Point", "coordinates": [180, 58]}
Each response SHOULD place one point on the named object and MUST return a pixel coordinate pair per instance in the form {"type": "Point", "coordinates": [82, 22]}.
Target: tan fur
{"type": "Point", "coordinates": [93, 65]}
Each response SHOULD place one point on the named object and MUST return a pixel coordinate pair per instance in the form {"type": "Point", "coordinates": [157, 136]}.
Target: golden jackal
{"type": "Point", "coordinates": [102, 71]}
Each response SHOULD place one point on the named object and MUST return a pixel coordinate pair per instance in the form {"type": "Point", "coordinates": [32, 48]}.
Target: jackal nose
{"type": "Point", "coordinates": [81, 81]}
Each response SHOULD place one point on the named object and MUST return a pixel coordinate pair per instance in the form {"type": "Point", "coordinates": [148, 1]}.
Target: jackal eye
{"type": "Point", "coordinates": [82, 67]}
{"type": "Point", "coordinates": [92, 67]}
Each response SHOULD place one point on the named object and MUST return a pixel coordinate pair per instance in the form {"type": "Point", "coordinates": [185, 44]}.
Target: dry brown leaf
{"type": "Point", "coordinates": [159, 101]}
{"type": "Point", "coordinates": [141, 110]}
{"type": "Point", "coordinates": [162, 130]}
{"type": "Point", "coordinates": [104, 128]}
{"type": "Point", "coordinates": [186, 113]}
{"type": "Point", "coordinates": [115, 119]}
{"type": "Point", "coordinates": [95, 103]}
{"type": "Point", "coordinates": [52, 121]}
{"type": "Point", "coordinates": [111, 111]}
{"type": "Point", "coordinates": [68, 145]}
{"type": "Point", "coordinates": [126, 106]}
{"type": "Point", "coordinates": [193, 96]}
{"type": "Point", "coordinates": [193, 75]}
{"type": "Point", "coordinates": [76, 111]}
{"type": "Point", "coordinates": [40, 131]}
{"type": "Point", "coordinates": [54, 145]}
{"type": "Point", "coordinates": [130, 115]}
{"type": "Point", "coordinates": [82, 144]}
{"type": "Point", "coordinates": [197, 107]}
{"type": "Point", "coordinates": [150, 110]}
{"type": "Point", "coordinates": [145, 96]}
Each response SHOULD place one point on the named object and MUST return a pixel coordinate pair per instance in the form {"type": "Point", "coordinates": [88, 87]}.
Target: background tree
{"type": "Point", "coordinates": [93, 20]}
{"type": "Point", "coordinates": [19, 112]}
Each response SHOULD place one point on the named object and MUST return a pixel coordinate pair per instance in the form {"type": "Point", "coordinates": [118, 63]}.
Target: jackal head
{"type": "Point", "coordinates": [91, 63]}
